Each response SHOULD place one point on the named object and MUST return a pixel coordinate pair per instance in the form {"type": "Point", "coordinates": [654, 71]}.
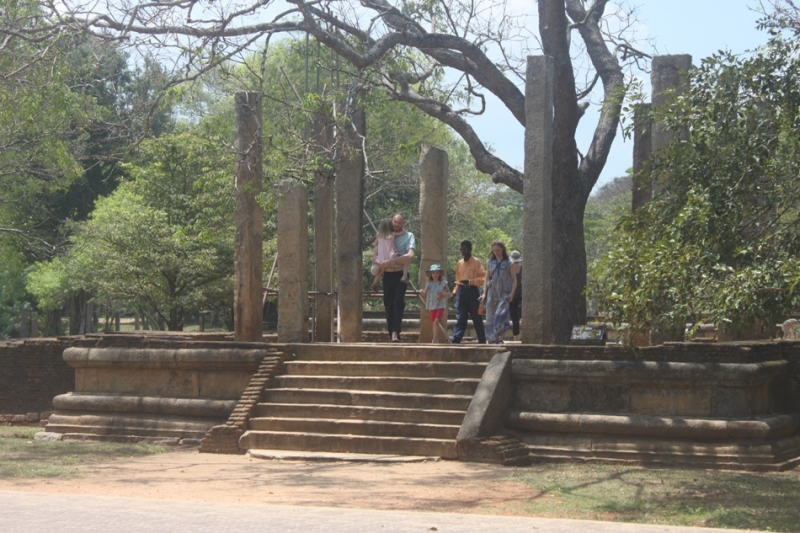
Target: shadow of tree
{"type": "Point", "coordinates": [722, 499]}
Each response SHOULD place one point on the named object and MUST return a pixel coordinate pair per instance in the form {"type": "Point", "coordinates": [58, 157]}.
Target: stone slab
{"type": "Point", "coordinates": [333, 457]}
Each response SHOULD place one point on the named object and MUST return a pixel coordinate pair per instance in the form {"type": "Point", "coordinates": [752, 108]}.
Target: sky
{"type": "Point", "coordinates": [696, 27]}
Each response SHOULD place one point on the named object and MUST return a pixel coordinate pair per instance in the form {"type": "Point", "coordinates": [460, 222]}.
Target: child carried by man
{"type": "Point", "coordinates": [384, 251]}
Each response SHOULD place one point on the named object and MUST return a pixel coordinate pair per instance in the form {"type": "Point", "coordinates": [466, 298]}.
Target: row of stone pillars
{"type": "Point", "coordinates": [348, 188]}
{"type": "Point", "coordinates": [667, 78]}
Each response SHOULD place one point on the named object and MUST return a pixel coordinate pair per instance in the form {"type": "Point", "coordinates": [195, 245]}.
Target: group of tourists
{"type": "Point", "coordinates": [495, 288]}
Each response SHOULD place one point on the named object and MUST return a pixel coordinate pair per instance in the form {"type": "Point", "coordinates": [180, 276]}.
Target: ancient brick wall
{"type": "Point", "coordinates": [32, 373]}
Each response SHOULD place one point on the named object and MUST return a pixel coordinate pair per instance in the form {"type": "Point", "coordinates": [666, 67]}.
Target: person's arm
{"type": "Point", "coordinates": [445, 290]}
{"type": "Point", "coordinates": [480, 277]}
{"type": "Point", "coordinates": [482, 297]}
{"type": "Point", "coordinates": [404, 259]}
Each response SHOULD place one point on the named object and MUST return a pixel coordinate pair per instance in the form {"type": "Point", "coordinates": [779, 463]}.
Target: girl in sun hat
{"type": "Point", "coordinates": [436, 293]}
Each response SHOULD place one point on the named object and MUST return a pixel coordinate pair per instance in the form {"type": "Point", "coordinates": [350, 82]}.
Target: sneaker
{"type": "Point", "coordinates": [404, 280]}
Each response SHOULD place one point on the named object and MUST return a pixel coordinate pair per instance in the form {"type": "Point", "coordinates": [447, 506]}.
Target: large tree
{"type": "Point", "coordinates": [409, 49]}
{"type": "Point", "coordinates": [161, 243]}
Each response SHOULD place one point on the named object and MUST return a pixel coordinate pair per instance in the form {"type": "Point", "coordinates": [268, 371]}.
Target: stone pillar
{"type": "Point", "coordinates": [668, 79]}
{"type": "Point", "coordinates": [642, 187]}
{"type": "Point", "coordinates": [433, 173]}
{"type": "Point", "coordinates": [537, 284]}
{"type": "Point", "coordinates": [349, 217]}
{"type": "Point", "coordinates": [323, 240]}
{"type": "Point", "coordinates": [292, 262]}
{"type": "Point", "coordinates": [247, 169]}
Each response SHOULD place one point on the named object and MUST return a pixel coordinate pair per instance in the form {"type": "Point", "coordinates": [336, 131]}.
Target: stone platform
{"type": "Point", "coordinates": [724, 405]}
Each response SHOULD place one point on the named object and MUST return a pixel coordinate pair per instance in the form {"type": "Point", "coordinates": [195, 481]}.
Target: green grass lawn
{"type": "Point", "coordinates": [739, 500]}
{"type": "Point", "coordinates": [23, 457]}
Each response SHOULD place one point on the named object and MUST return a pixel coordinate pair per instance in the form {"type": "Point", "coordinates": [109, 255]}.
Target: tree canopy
{"type": "Point", "coordinates": [442, 57]}
{"type": "Point", "coordinates": [721, 241]}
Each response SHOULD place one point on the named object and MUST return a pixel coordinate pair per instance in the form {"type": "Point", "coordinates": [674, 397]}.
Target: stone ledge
{"type": "Point", "coordinates": [185, 358]}
{"type": "Point", "coordinates": [763, 456]}
{"type": "Point", "coordinates": [651, 373]}
{"type": "Point", "coordinates": [113, 403]}
{"type": "Point", "coordinates": [771, 427]}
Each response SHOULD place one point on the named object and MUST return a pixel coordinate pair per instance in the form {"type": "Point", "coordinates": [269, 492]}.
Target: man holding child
{"type": "Point", "coordinates": [394, 285]}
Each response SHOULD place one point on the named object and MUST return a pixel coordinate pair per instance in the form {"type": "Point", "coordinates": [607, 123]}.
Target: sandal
{"type": "Point", "coordinates": [374, 287]}
{"type": "Point", "coordinates": [404, 280]}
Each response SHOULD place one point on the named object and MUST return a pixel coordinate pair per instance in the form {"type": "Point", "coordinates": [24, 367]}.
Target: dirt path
{"type": "Point", "coordinates": [187, 475]}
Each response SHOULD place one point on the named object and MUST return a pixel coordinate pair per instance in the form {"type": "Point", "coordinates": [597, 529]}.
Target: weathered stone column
{"type": "Point", "coordinates": [349, 217]}
{"type": "Point", "coordinates": [537, 284]}
{"type": "Point", "coordinates": [433, 173]}
{"type": "Point", "coordinates": [642, 187]}
{"type": "Point", "coordinates": [292, 262]}
{"type": "Point", "coordinates": [668, 80]}
{"type": "Point", "coordinates": [247, 169]}
{"type": "Point", "coordinates": [323, 240]}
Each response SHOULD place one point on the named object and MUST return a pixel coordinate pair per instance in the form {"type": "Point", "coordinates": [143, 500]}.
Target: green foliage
{"type": "Point", "coordinates": [722, 236]}
{"type": "Point", "coordinates": [162, 242]}
{"type": "Point", "coordinates": [23, 457]}
{"type": "Point", "coordinates": [12, 286]}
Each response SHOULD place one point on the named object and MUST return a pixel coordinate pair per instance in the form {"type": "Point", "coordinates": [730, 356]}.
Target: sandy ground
{"type": "Point", "coordinates": [442, 486]}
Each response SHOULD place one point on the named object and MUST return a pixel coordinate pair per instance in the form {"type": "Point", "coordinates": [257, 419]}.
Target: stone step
{"type": "Point", "coordinates": [376, 428]}
{"type": "Point", "coordinates": [390, 414]}
{"type": "Point", "coordinates": [394, 352]}
{"type": "Point", "coordinates": [445, 448]}
{"type": "Point", "coordinates": [131, 420]}
{"type": "Point", "coordinates": [458, 402]}
{"type": "Point", "coordinates": [386, 384]}
{"type": "Point", "coordinates": [749, 454]}
{"type": "Point", "coordinates": [123, 430]}
{"type": "Point", "coordinates": [421, 369]}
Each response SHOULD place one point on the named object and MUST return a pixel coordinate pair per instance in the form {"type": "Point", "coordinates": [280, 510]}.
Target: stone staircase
{"type": "Point", "coordinates": [399, 400]}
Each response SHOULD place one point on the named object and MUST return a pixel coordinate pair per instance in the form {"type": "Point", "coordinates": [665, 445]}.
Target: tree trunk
{"type": "Point", "coordinates": [175, 320]}
{"type": "Point", "coordinates": [569, 196]}
{"type": "Point", "coordinates": [52, 324]}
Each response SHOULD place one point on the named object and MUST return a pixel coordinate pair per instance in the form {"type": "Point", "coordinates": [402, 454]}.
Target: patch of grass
{"type": "Point", "coordinates": [720, 499]}
{"type": "Point", "coordinates": [23, 457]}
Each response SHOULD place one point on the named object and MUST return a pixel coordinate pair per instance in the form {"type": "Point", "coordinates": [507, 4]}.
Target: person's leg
{"type": "Point", "coordinates": [435, 315]}
{"type": "Point", "coordinates": [375, 281]}
{"type": "Point", "coordinates": [514, 311]}
{"type": "Point", "coordinates": [491, 328]}
{"type": "Point", "coordinates": [390, 281]}
{"type": "Point", "coordinates": [404, 279]}
{"type": "Point", "coordinates": [461, 315]}
{"type": "Point", "coordinates": [472, 310]}
{"type": "Point", "coordinates": [399, 304]}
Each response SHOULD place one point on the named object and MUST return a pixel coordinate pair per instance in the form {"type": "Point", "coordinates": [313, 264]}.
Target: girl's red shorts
{"type": "Point", "coordinates": [436, 314]}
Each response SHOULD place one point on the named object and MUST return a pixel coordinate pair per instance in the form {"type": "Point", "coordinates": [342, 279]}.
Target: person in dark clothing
{"type": "Point", "coordinates": [515, 309]}
{"type": "Point", "coordinates": [394, 284]}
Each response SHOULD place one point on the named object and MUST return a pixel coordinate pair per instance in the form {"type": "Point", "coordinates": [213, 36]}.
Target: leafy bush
{"type": "Point", "coordinates": [722, 238]}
